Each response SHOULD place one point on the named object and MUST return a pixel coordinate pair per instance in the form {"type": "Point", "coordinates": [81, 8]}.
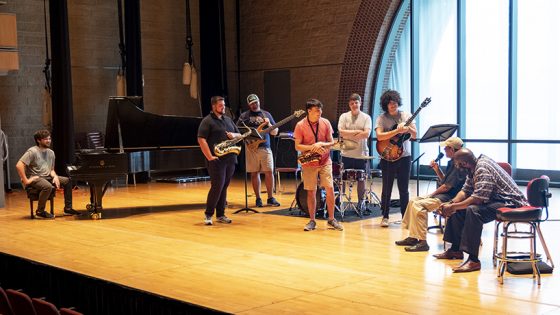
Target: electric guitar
{"type": "Point", "coordinates": [253, 144]}
{"type": "Point", "coordinates": [392, 149]}
{"type": "Point", "coordinates": [229, 146]}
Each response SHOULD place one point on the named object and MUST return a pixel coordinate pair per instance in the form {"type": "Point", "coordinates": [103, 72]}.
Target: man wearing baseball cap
{"type": "Point", "coordinates": [259, 159]}
{"type": "Point", "coordinates": [416, 215]}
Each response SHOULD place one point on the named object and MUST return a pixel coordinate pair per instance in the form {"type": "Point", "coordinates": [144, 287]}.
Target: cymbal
{"type": "Point", "coordinates": [363, 157]}
{"type": "Point", "coordinates": [343, 145]}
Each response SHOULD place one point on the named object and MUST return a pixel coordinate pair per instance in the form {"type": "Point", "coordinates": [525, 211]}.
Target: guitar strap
{"type": "Point", "coordinates": [397, 121]}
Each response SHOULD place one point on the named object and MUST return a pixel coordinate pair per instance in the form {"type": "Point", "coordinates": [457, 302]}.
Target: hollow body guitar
{"type": "Point", "coordinates": [253, 143]}
{"type": "Point", "coordinates": [392, 149]}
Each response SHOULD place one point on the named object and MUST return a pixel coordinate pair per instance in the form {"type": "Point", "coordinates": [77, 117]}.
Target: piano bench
{"type": "Point", "coordinates": [33, 195]}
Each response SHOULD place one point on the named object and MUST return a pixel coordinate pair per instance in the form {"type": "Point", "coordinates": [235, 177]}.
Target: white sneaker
{"type": "Point", "coordinates": [310, 226]}
{"type": "Point", "coordinates": [335, 225]}
{"type": "Point", "coordinates": [384, 222]}
{"type": "Point", "coordinates": [208, 220]}
{"type": "Point", "coordinates": [223, 219]}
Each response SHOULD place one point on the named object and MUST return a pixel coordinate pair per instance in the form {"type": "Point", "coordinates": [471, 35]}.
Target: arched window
{"type": "Point", "coordinates": [491, 67]}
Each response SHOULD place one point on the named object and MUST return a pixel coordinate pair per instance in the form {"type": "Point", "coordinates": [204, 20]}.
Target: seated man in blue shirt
{"type": "Point", "coordinates": [416, 215]}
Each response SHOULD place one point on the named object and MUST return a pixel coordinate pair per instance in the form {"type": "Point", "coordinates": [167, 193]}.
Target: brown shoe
{"type": "Point", "coordinates": [467, 266]}
{"type": "Point", "coordinates": [409, 241]}
{"type": "Point", "coordinates": [450, 254]}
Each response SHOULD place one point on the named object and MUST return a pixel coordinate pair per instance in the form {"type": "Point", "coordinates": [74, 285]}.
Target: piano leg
{"type": "Point", "coordinates": [97, 189]}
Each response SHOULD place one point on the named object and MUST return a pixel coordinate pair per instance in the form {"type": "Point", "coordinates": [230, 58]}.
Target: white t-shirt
{"type": "Point", "coordinates": [361, 122]}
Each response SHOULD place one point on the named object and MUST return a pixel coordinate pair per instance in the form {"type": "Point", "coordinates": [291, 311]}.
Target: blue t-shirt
{"type": "Point", "coordinates": [255, 119]}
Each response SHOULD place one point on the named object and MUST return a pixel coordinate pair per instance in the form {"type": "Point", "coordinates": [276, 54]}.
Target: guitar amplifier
{"type": "Point", "coordinates": [285, 154]}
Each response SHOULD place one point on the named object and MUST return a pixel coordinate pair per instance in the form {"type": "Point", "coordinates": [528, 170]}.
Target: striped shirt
{"type": "Point", "coordinates": [491, 183]}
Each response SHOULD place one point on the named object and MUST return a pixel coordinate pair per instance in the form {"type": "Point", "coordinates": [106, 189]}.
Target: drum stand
{"type": "Point", "coordinates": [344, 205]}
{"type": "Point", "coordinates": [370, 197]}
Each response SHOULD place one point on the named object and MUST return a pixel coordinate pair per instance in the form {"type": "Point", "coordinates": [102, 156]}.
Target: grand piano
{"type": "Point", "coordinates": [136, 141]}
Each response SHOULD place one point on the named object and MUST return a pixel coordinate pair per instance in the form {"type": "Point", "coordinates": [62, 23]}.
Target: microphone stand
{"type": "Point", "coordinates": [417, 161]}
{"type": "Point", "coordinates": [246, 208]}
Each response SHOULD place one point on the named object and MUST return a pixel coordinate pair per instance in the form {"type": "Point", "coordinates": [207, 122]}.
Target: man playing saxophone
{"type": "Point", "coordinates": [215, 128]}
{"type": "Point", "coordinates": [313, 135]}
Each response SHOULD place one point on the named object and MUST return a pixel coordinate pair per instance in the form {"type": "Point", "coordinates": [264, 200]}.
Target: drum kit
{"type": "Point", "coordinates": [344, 181]}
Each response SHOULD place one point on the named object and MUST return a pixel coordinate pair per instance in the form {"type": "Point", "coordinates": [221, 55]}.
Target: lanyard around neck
{"type": "Point", "coordinates": [315, 132]}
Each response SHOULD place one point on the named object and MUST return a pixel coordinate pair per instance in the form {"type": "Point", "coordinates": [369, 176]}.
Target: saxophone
{"type": "Point", "coordinates": [229, 146]}
{"type": "Point", "coordinates": [309, 157]}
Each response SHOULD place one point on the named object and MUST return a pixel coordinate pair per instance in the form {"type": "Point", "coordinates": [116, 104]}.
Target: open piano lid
{"type": "Point", "coordinates": [142, 131]}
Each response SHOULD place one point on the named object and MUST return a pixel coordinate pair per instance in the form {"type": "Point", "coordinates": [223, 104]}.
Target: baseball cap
{"type": "Point", "coordinates": [252, 98]}
{"type": "Point", "coordinates": [453, 142]}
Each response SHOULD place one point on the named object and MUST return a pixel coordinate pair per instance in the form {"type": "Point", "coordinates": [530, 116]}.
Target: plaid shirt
{"type": "Point", "coordinates": [491, 183]}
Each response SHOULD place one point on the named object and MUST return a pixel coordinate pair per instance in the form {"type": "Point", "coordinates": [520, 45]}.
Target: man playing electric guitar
{"type": "Point", "coordinates": [399, 168]}
{"type": "Point", "coordinates": [259, 160]}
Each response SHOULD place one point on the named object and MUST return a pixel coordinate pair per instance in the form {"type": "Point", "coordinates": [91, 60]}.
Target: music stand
{"type": "Point", "coordinates": [438, 133]}
{"type": "Point", "coordinates": [435, 133]}
{"type": "Point", "coordinates": [246, 208]}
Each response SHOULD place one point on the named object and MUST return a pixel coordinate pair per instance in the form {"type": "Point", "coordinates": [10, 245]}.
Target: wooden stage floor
{"type": "Point", "coordinates": [152, 238]}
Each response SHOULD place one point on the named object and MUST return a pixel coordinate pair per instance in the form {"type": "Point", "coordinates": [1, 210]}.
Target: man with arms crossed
{"type": "Point", "coordinates": [356, 125]}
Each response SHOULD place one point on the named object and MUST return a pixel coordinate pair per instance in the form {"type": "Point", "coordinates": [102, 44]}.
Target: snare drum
{"type": "Point", "coordinates": [354, 175]}
{"type": "Point", "coordinates": [301, 199]}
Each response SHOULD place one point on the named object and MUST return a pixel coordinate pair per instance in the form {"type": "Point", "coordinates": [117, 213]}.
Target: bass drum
{"type": "Point", "coordinates": [301, 199]}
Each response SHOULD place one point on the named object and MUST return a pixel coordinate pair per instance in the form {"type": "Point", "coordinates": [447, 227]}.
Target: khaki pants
{"type": "Point", "coordinates": [416, 216]}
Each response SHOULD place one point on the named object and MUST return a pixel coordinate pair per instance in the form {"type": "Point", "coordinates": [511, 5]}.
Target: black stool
{"type": "Point", "coordinates": [33, 195]}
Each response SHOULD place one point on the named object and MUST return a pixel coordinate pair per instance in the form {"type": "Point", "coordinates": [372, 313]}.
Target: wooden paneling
{"type": "Point", "coordinates": [9, 60]}
{"type": "Point", "coordinates": [8, 43]}
{"type": "Point", "coordinates": [8, 31]}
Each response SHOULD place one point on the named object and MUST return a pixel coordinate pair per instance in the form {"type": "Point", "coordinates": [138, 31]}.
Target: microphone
{"type": "Point", "coordinates": [440, 155]}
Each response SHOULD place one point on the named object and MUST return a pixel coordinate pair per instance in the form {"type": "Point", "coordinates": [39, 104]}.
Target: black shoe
{"type": "Point", "coordinates": [44, 214]}
{"type": "Point", "coordinates": [422, 246]}
{"type": "Point", "coordinates": [409, 241]}
{"type": "Point", "coordinates": [258, 202]}
{"type": "Point", "coordinates": [70, 212]}
{"type": "Point", "coordinates": [272, 202]}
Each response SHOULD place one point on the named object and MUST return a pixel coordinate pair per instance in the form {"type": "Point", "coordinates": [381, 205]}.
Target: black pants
{"type": "Point", "coordinates": [220, 172]}
{"type": "Point", "coordinates": [401, 170]}
{"type": "Point", "coordinates": [464, 227]}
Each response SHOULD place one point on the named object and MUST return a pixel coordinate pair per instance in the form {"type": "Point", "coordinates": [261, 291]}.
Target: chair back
{"type": "Point", "coordinates": [5, 307]}
{"type": "Point", "coordinates": [95, 140]}
{"type": "Point", "coordinates": [68, 311]}
{"type": "Point", "coordinates": [506, 166]}
{"type": "Point", "coordinates": [43, 307]}
{"type": "Point", "coordinates": [21, 302]}
{"type": "Point", "coordinates": [538, 193]}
